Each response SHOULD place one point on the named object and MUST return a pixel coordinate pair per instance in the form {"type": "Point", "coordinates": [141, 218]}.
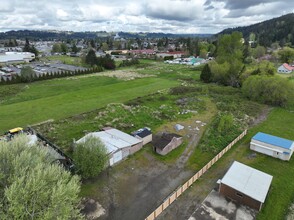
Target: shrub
{"type": "Point", "coordinates": [90, 157]}
{"type": "Point", "coordinates": [268, 90]}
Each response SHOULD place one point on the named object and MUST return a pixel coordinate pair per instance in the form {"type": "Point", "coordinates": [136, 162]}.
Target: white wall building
{"type": "Point", "coordinates": [118, 144]}
{"type": "Point", "coordinates": [16, 57]}
{"type": "Point", "coordinates": [285, 68]}
{"type": "Point", "coordinates": [273, 146]}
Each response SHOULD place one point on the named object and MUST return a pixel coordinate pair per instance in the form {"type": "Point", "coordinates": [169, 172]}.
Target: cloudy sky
{"type": "Point", "coordinates": [168, 16]}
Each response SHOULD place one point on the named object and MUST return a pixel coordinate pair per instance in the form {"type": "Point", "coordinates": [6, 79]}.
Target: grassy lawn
{"type": "Point", "coordinates": [60, 98]}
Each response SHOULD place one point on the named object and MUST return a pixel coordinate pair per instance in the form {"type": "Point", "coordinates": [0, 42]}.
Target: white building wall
{"type": "Point", "coordinates": [271, 150]}
{"type": "Point", "coordinates": [282, 69]}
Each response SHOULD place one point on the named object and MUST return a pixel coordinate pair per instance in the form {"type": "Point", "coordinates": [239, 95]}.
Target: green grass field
{"type": "Point", "coordinates": [60, 98]}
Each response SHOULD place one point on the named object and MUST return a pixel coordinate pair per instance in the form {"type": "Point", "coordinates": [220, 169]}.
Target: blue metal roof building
{"type": "Point", "coordinates": [272, 145]}
{"type": "Point", "coordinates": [273, 140]}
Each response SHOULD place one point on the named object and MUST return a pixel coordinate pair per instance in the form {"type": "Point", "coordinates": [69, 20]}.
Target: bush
{"type": "Point", "coordinates": [184, 89]}
{"type": "Point", "coordinates": [168, 58]}
{"type": "Point", "coordinates": [268, 90]}
{"type": "Point", "coordinates": [90, 157]}
{"type": "Point", "coordinates": [131, 62]}
{"type": "Point", "coordinates": [206, 75]}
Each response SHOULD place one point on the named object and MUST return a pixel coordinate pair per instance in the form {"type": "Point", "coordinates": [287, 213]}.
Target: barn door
{"type": "Point", "coordinates": [117, 156]}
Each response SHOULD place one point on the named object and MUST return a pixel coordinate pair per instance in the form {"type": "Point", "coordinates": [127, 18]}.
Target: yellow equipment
{"type": "Point", "coordinates": [15, 130]}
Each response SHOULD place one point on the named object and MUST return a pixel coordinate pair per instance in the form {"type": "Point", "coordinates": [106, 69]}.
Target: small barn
{"type": "Point", "coordinates": [165, 143]}
{"type": "Point", "coordinates": [245, 185]}
{"type": "Point", "coordinates": [272, 145]}
{"type": "Point", "coordinates": [119, 145]}
{"type": "Point", "coordinates": [143, 134]}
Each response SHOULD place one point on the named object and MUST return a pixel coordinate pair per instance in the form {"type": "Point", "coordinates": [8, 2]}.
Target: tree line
{"type": "Point", "coordinates": [258, 80]}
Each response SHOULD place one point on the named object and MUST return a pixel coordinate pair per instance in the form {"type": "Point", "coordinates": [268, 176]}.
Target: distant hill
{"type": "Point", "coordinates": [49, 35]}
{"type": "Point", "coordinates": [279, 30]}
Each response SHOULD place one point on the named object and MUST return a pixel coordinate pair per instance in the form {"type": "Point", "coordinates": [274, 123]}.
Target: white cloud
{"type": "Point", "coordinates": [173, 16]}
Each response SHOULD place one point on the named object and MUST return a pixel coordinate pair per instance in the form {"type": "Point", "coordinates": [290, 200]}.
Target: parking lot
{"type": "Point", "coordinates": [42, 68]}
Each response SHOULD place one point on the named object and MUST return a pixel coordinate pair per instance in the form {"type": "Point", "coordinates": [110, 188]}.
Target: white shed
{"type": "Point", "coordinates": [272, 145]}
{"type": "Point", "coordinates": [118, 144]}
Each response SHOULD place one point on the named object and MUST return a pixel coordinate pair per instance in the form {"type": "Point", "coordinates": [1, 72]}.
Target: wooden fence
{"type": "Point", "coordinates": [168, 201]}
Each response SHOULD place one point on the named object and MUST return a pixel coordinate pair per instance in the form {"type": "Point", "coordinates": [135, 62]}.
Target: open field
{"type": "Point", "coordinates": [59, 98]}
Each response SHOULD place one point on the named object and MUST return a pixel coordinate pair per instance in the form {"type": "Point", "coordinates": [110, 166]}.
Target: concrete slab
{"type": "Point", "coordinates": [217, 207]}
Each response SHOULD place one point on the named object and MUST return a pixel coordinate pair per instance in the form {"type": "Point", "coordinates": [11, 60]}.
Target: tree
{"type": "Point", "coordinates": [90, 157]}
{"type": "Point", "coordinates": [107, 62]}
{"type": "Point", "coordinates": [63, 48]}
{"type": "Point", "coordinates": [74, 49]}
{"type": "Point", "coordinates": [27, 46]}
{"type": "Point", "coordinates": [229, 60]}
{"type": "Point", "coordinates": [91, 58]}
{"type": "Point", "coordinates": [56, 48]}
{"type": "Point", "coordinates": [104, 46]}
{"type": "Point", "coordinates": [268, 89]}
{"type": "Point", "coordinates": [32, 187]}
{"type": "Point", "coordinates": [206, 75]}
{"type": "Point", "coordinates": [286, 55]}
{"type": "Point", "coordinates": [27, 74]}
{"type": "Point", "coordinates": [259, 51]}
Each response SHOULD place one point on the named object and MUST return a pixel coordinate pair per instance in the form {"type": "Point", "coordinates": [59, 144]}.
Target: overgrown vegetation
{"type": "Point", "coordinates": [268, 90]}
{"type": "Point", "coordinates": [223, 129]}
{"type": "Point", "coordinates": [130, 62]}
{"type": "Point", "coordinates": [32, 187]}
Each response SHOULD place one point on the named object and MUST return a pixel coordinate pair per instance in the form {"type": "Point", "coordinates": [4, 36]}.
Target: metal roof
{"type": "Point", "coordinates": [113, 139]}
{"type": "Point", "coordinates": [274, 140]}
{"type": "Point", "coordinates": [248, 181]}
{"type": "Point", "coordinates": [16, 56]}
{"type": "Point", "coordinates": [123, 136]}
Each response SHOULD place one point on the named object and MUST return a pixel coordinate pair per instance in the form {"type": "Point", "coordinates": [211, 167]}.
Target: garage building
{"type": "Point", "coordinates": [272, 145]}
{"type": "Point", "coordinates": [119, 145]}
{"type": "Point", "coordinates": [245, 185]}
{"type": "Point", "coordinates": [143, 134]}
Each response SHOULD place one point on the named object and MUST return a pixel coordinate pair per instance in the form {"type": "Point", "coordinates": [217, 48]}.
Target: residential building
{"type": "Point", "coordinates": [285, 68]}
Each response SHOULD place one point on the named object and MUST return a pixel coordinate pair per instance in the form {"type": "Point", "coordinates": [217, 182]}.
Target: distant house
{"type": "Point", "coordinates": [165, 143]}
{"type": "Point", "coordinates": [272, 145]}
{"type": "Point", "coordinates": [119, 145]}
{"type": "Point", "coordinates": [143, 134]}
{"type": "Point", "coordinates": [245, 185]}
{"type": "Point", "coordinates": [285, 68]}
{"type": "Point", "coordinates": [174, 54]}
{"type": "Point", "coordinates": [142, 52]}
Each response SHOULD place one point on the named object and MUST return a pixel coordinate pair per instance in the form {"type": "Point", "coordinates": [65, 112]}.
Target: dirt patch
{"type": "Point", "coordinates": [92, 209]}
{"type": "Point", "coordinates": [125, 75]}
{"type": "Point", "coordinates": [216, 206]}
{"type": "Point", "coordinates": [120, 74]}
{"type": "Point", "coordinates": [261, 117]}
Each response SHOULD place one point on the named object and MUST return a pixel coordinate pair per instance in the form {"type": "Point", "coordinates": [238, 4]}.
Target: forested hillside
{"type": "Point", "coordinates": [279, 30]}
